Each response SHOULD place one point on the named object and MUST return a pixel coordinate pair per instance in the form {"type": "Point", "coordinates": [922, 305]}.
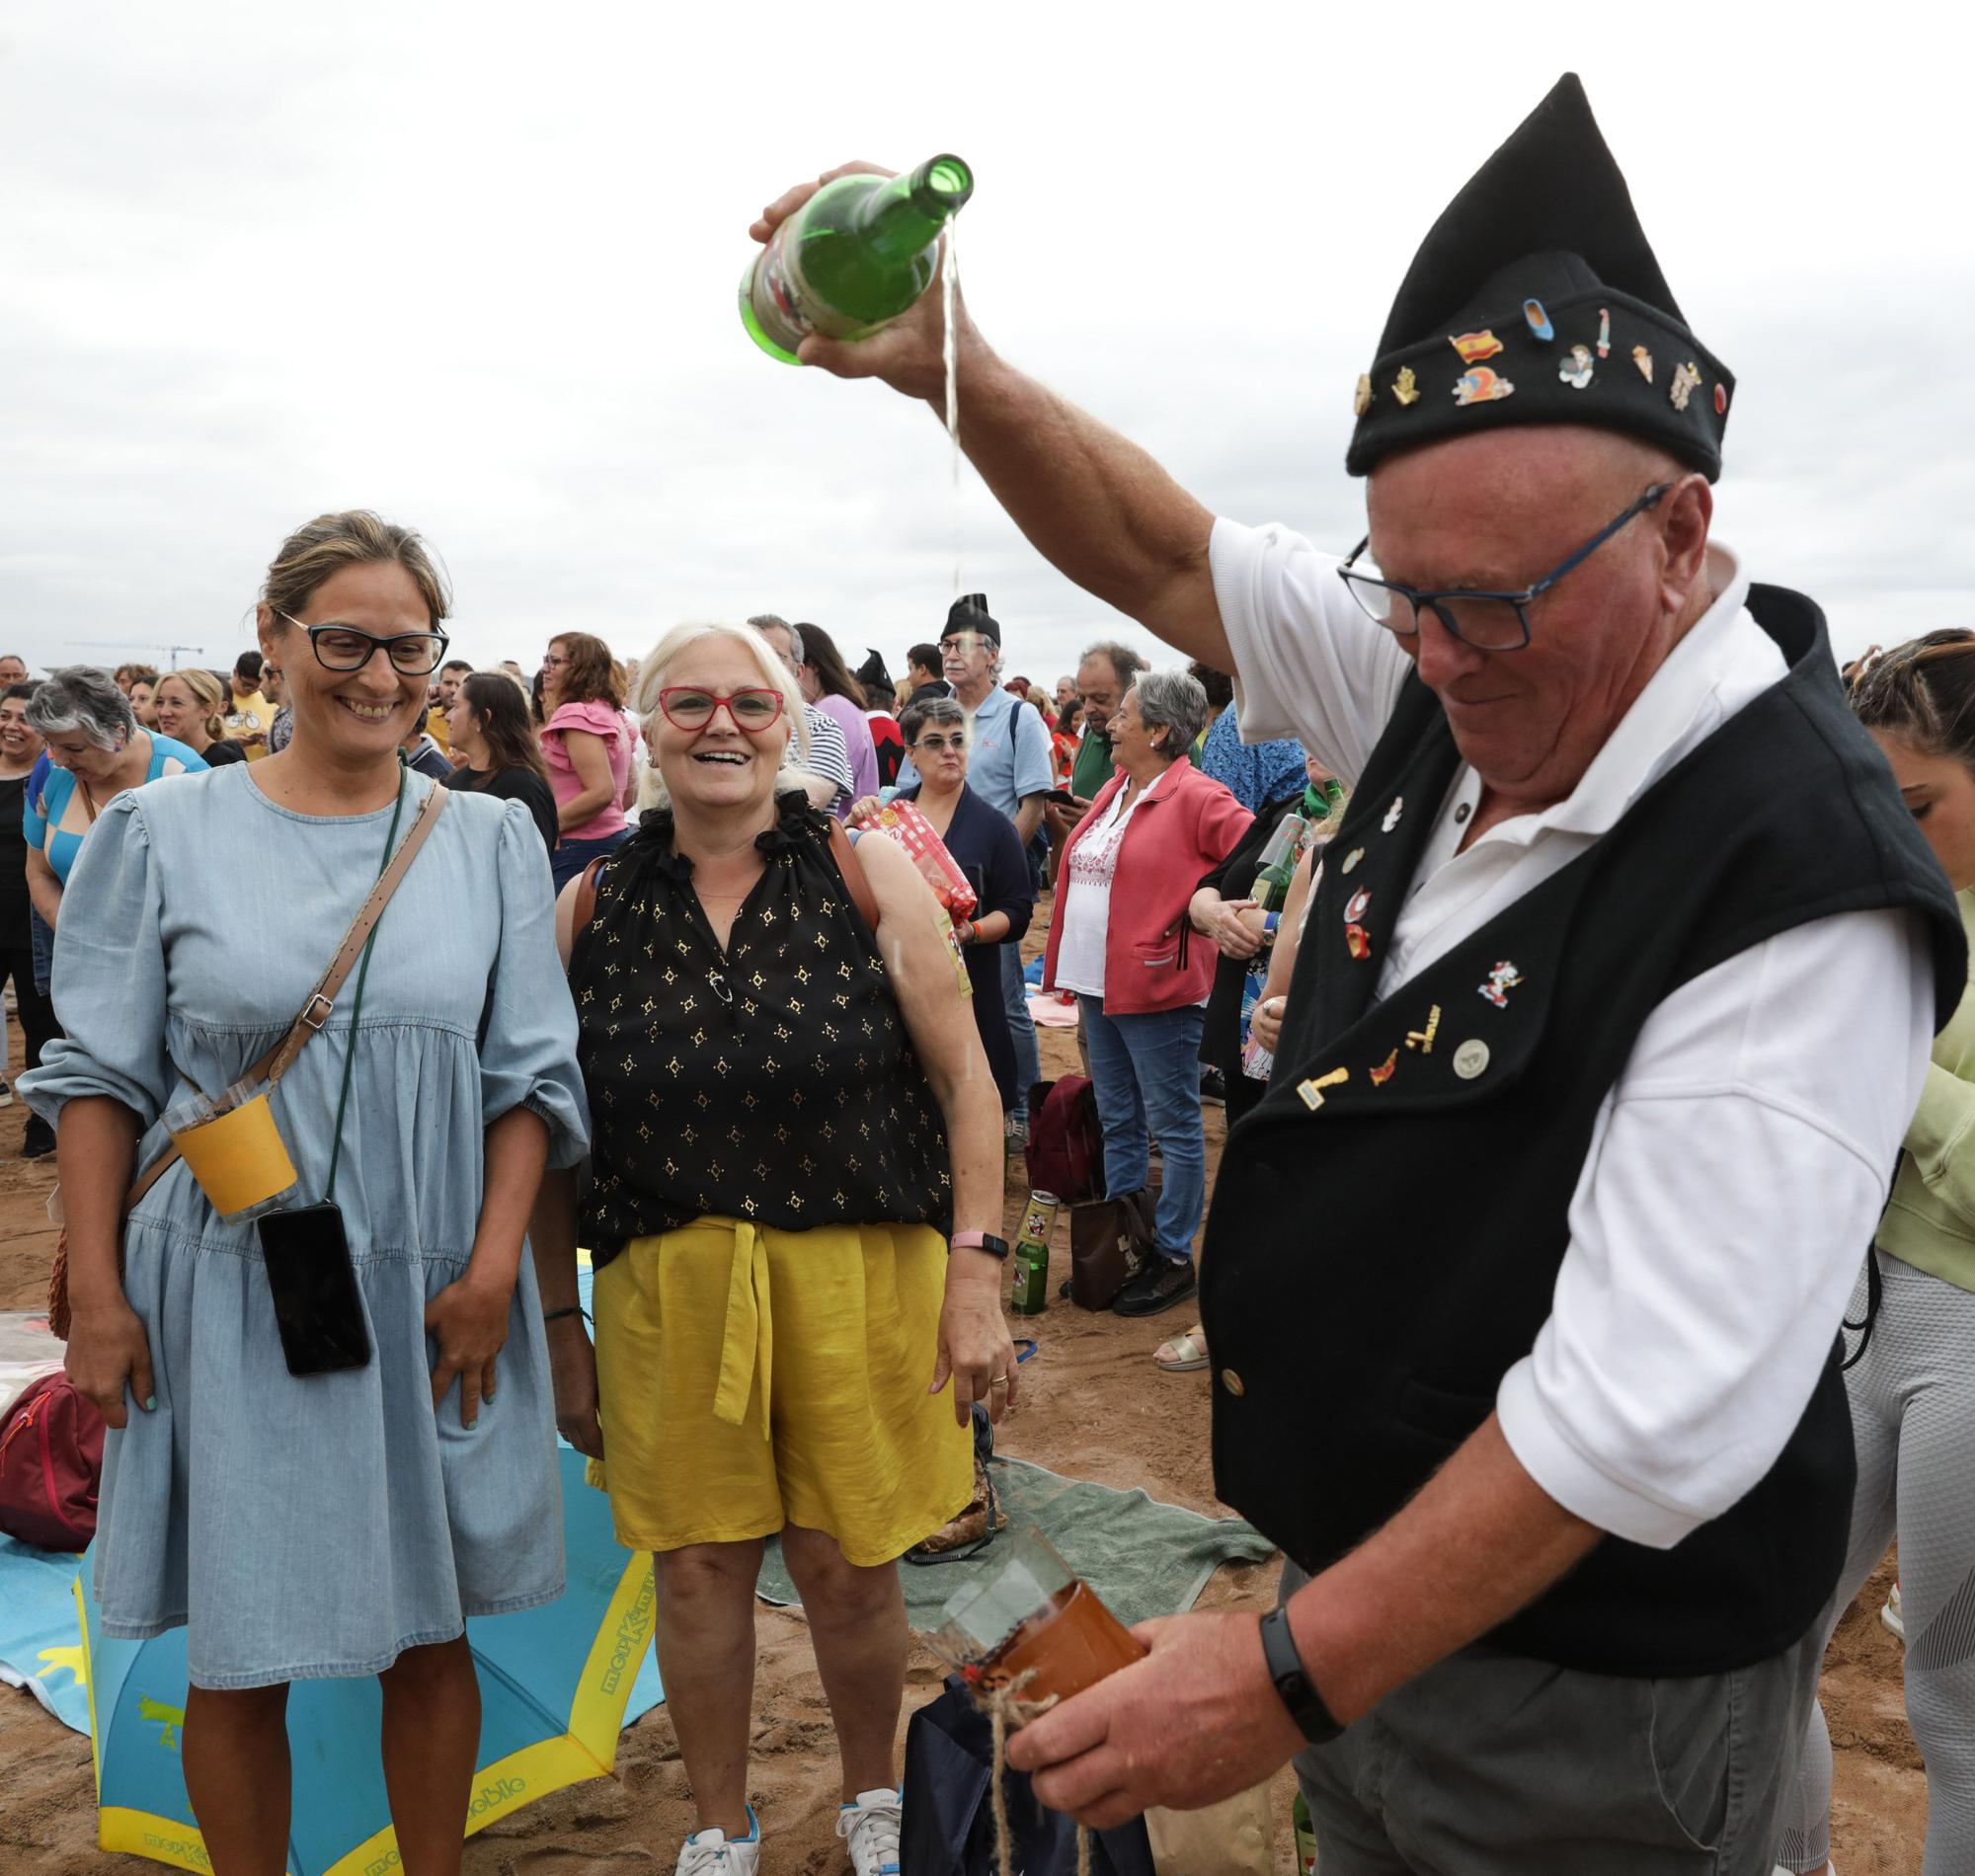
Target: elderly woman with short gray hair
{"type": "Point", "coordinates": [96, 749]}
{"type": "Point", "coordinates": [1121, 941]}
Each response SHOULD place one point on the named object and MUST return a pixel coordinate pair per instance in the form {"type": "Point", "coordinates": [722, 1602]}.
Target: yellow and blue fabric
{"type": "Point", "coordinates": [752, 1377]}
{"type": "Point", "coordinates": [557, 1685]}
{"type": "Point", "coordinates": [56, 815]}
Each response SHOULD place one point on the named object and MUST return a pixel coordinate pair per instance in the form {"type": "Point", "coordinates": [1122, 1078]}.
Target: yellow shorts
{"type": "Point", "coordinates": [717, 1428]}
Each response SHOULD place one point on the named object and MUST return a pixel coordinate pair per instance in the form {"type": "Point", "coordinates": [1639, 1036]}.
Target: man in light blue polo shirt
{"type": "Point", "coordinates": [1008, 766]}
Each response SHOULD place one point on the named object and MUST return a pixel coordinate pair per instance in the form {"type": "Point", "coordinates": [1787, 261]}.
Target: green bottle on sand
{"type": "Point", "coordinates": [1306, 1837]}
{"type": "Point", "coordinates": [857, 253]}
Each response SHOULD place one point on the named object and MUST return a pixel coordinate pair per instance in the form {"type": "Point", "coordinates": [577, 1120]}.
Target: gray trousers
{"type": "Point", "coordinates": [1495, 1765]}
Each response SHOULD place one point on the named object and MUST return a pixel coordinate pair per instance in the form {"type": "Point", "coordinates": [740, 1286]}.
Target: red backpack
{"type": "Point", "coordinates": [50, 1464]}
{"type": "Point", "coordinates": [1066, 1150]}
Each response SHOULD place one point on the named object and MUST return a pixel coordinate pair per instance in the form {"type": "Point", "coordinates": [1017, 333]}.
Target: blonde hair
{"type": "Point", "coordinates": [206, 692]}
{"type": "Point", "coordinates": [353, 538]}
{"type": "Point", "coordinates": [656, 664]}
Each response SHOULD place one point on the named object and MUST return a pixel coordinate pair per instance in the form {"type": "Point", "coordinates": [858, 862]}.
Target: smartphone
{"type": "Point", "coordinates": [316, 1305]}
{"type": "Point", "coordinates": [1061, 796]}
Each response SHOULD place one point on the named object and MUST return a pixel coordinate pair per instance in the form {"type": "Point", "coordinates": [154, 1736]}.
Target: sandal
{"type": "Point", "coordinates": [1184, 1353]}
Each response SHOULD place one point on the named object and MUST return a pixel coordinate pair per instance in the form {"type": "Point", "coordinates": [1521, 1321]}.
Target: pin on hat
{"type": "Point", "coordinates": [1603, 332]}
{"type": "Point", "coordinates": [1645, 360]}
{"type": "Point", "coordinates": [1474, 347]}
{"type": "Point", "coordinates": [1394, 813]}
{"type": "Point", "coordinates": [1482, 386]}
{"type": "Point", "coordinates": [1501, 980]}
{"type": "Point", "coordinates": [1358, 941]}
{"type": "Point", "coordinates": [1361, 399]}
{"type": "Point", "coordinates": [1354, 911]}
{"type": "Point", "coordinates": [1686, 381]}
{"type": "Point", "coordinates": [1533, 311]}
{"type": "Point", "coordinates": [1575, 371]}
{"type": "Point", "coordinates": [1405, 388]}
{"type": "Point", "coordinates": [1386, 1071]}
{"type": "Point", "coordinates": [1351, 860]}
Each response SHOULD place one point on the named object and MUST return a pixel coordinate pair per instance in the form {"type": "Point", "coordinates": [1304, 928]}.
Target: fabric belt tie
{"type": "Point", "coordinates": [748, 1342]}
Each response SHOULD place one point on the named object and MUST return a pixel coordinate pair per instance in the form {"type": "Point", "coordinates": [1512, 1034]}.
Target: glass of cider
{"type": "Point", "coordinates": [1032, 1615]}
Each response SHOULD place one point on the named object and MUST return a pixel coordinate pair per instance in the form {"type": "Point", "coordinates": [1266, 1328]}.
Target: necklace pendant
{"type": "Point", "coordinates": [721, 987]}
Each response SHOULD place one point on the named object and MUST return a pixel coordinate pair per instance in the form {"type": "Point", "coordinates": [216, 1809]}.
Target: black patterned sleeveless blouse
{"type": "Point", "coordinates": [773, 1081]}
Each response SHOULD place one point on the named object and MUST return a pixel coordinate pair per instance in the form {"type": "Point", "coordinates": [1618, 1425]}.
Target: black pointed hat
{"type": "Point", "coordinates": [1536, 298]}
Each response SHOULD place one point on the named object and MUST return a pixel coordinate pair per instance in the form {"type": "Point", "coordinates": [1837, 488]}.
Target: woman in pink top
{"type": "Point", "coordinates": [586, 751]}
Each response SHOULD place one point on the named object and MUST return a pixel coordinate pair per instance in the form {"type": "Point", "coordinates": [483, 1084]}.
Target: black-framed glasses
{"type": "Point", "coordinates": [342, 648]}
{"type": "Point", "coordinates": [1489, 621]}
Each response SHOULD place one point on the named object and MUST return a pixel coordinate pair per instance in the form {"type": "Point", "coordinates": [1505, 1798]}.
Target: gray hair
{"type": "Point", "coordinates": [933, 710]}
{"type": "Point", "coordinates": [1125, 661]}
{"type": "Point", "coordinates": [81, 697]}
{"type": "Point", "coordinates": [761, 621]}
{"type": "Point", "coordinates": [1173, 701]}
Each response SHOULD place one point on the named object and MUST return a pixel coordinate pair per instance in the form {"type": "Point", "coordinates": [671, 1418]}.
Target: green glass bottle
{"type": "Point", "coordinates": [1277, 872]}
{"type": "Point", "coordinates": [857, 253]}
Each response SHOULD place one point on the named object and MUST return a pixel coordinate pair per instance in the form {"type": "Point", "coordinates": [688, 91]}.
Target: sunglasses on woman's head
{"type": "Point", "coordinates": [688, 707]}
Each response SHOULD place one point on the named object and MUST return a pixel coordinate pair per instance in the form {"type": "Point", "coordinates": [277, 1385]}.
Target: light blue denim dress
{"type": "Point", "coordinates": [303, 1527]}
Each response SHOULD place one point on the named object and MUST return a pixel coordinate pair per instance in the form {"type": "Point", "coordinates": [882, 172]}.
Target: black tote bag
{"type": "Point", "coordinates": [949, 1823]}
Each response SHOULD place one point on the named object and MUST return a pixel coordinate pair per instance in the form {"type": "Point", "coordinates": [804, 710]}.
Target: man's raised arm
{"type": "Point", "coordinates": [1094, 505]}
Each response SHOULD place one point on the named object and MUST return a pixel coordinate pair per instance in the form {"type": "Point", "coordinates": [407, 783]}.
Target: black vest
{"type": "Point", "coordinates": [1389, 1222]}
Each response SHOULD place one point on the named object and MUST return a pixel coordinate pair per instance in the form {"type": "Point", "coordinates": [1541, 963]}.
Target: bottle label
{"type": "Point", "coordinates": [777, 293]}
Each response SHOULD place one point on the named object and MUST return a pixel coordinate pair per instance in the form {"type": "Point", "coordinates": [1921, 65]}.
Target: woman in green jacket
{"type": "Point", "coordinates": [1911, 1388]}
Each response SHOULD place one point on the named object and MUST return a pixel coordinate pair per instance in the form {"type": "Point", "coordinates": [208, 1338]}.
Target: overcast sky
{"type": "Point", "coordinates": [475, 267]}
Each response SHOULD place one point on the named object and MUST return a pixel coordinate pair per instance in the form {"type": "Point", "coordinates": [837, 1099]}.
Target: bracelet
{"type": "Point", "coordinates": [1292, 1679]}
{"type": "Point", "coordinates": [573, 1310]}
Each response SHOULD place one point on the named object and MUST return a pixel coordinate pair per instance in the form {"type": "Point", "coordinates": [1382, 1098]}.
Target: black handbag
{"type": "Point", "coordinates": [949, 1823]}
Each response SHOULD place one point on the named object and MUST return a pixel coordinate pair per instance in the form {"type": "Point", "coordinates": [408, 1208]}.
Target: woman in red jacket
{"type": "Point", "coordinates": [1119, 941]}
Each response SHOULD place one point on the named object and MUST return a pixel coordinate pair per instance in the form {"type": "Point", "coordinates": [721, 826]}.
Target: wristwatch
{"type": "Point", "coordinates": [980, 1242]}
{"type": "Point", "coordinates": [1299, 1692]}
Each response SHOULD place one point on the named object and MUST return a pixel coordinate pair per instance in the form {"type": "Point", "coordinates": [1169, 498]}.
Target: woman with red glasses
{"type": "Point", "coordinates": [793, 1115]}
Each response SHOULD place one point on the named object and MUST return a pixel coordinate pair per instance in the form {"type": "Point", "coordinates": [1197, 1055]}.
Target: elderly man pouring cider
{"type": "Point", "coordinates": [1524, 1280]}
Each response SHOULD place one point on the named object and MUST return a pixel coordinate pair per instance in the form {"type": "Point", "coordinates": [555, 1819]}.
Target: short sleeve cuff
{"type": "Point", "coordinates": [1234, 556]}
{"type": "Point", "coordinates": [1550, 1455]}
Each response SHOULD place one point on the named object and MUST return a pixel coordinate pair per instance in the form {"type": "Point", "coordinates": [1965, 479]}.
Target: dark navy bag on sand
{"type": "Point", "coordinates": [949, 1823]}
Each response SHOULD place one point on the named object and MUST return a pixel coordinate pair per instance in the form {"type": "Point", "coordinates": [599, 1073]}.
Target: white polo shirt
{"type": "Point", "coordinates": [1738, 1168]}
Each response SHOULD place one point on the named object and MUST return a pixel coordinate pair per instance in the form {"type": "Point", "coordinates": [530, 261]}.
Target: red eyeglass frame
{"type": "Point", "coordinates": [701, 690]}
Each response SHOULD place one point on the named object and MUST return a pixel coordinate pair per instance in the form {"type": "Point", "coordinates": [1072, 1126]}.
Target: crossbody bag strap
{"type": "Point", "coordinates": [852, 868]}
{"type": "Point", "coordinates": [322, 999]}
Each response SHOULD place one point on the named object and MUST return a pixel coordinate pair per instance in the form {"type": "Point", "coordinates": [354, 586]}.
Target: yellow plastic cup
{"type": "Point", "coordinates": [238, 1157]}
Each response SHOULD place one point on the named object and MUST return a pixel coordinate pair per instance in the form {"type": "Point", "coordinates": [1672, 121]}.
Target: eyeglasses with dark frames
{"type": "Point", "coordinates": [752, 709]}
{"type": "Point", "coordinates": [1489, 621]}
{"type": "Point", "coordinates": [343, 649]}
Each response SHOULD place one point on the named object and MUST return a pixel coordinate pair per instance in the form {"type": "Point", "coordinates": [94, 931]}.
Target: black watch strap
{"type": "Point", "coordinates": [1293, 1683]}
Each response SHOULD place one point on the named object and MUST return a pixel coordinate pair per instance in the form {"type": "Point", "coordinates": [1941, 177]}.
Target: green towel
{"type": "Point", "coordinates": [1144, 1558]}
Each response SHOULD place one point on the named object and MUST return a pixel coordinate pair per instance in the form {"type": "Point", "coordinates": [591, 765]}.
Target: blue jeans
{"type": "Point", "coordinates": [1146, 1073]}
{"type": "Point", "coordinates": [1021, 1027]}
{"type": "Point", "coordinates": [572, 856]}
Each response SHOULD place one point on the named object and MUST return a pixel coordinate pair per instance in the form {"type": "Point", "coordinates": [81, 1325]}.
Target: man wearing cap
{"type": "Point", "coordinates": [1008, 766]}
{"type": "Point", "coordinates": [1524, 1280]}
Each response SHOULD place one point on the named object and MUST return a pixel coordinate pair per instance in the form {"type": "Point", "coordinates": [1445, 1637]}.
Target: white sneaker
{"type": "Point", "coordinates": [713, 1853]}
{"type": "Point", "coordinates": [1893, 1616]}
{"type": "Point", "coordinates": [870, 1827]}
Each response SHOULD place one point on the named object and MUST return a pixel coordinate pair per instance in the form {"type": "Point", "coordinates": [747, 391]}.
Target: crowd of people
{"type": "Point", "coordinates": [1539, 1215]}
